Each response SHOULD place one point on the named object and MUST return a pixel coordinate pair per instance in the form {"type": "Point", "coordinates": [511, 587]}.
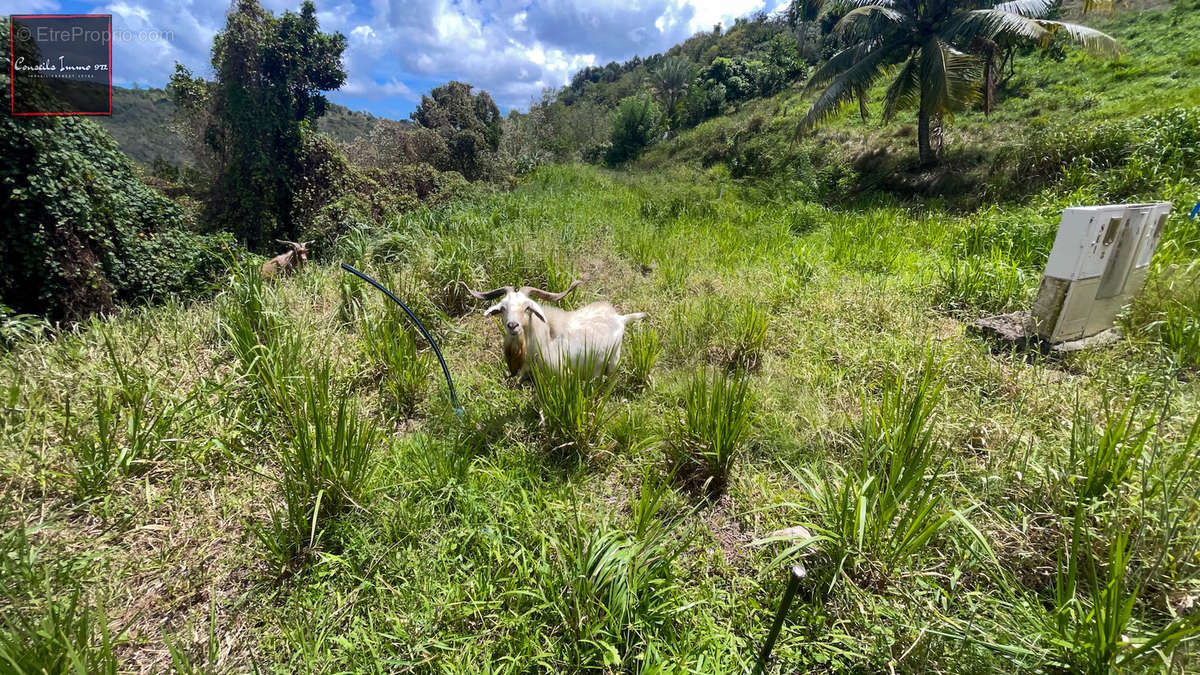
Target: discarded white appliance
{"type": "Point", "coordinates": [1097, 266]}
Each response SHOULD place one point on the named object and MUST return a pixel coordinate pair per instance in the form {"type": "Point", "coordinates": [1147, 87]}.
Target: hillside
{"type": "Point", "coordinates": [141, 124]}
{"type": "Point", "coordinates": [278, 477]}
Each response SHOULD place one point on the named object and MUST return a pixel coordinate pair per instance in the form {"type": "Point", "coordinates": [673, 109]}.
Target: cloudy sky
{"type": "Point", "coordinates": [397, 50]}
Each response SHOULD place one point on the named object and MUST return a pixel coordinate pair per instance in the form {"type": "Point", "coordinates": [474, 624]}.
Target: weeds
{"type": "Point", "coordinates": [389, 343]}
{"type": "Point", "coordinates": [887, 507]}
{"type": "Point", "coordinates": [1178, 331]}
{"type": "Point", "coordinates": [717, 415]}
{"type": "Point", "coordinates": [1097, 465]}
{"type": "Point", "coordinates": [620, 591]}
{"type": "Point", "coordinates": [324, 469]}
{"type": "Point", "coordinates": [573, 400]}
{"type": "Point", "coordinates": [989, 284]}
{"type": "Point", "coordinates": [750, 333]}
{"type": "Point", "coordinates": [47, 625]}
{"type": "Point", "coordinates": [644, 350]}
{"type": "Point", "coordinates": [1092, 636]}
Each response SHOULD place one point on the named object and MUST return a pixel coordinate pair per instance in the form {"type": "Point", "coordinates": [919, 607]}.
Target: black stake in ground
{"type": "Point", "coordinates": [420, 327]}
{"type": "Point", "coordinates": [795, 574]}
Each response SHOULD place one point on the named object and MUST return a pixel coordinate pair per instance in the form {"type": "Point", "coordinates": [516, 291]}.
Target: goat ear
{"type": "Point", "coordinates": [536, 310]}
{"type": "Point", "coordinates": [494, 309]}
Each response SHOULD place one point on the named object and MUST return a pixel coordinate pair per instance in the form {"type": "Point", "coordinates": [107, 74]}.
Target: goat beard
{"type": "Point", "coordinates": [514, 353]}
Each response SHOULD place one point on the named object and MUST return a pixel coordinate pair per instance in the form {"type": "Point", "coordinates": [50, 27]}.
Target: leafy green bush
{"type": "Point", "coordinates": [82, 231]}
{"type": "Point", "coordinates": [633, 127]}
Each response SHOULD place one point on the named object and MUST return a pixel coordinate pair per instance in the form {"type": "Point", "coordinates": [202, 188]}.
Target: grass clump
{"type": "Point", "coordinates": [718, 410]}
{"type": "Point", "coordinates": [620, 592]}
{"type": "Point", "coordinates": [324, 469]}
{"type": "Point", "coordinates": [872, 518]}
{"type": "Point", "coordinates": [389, 342]}
{"type": "Point", "coordinates": [750, 334]}
{"type": "Point", "coordinates": [642, 353]}
{"type": "Point", "coordinates": [573, 400]}
{"type": "Point", "coordinates": [46, 623]}
{"type": "Point", "coordinates": [978, 283]}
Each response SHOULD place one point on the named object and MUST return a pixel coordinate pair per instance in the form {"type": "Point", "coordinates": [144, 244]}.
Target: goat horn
{"type": "Point", "coordinates": [285, 241]}
{"type": "Point", "coordinates": [494, 293]}
{"type": "Point", "coordinates": [547, 295]}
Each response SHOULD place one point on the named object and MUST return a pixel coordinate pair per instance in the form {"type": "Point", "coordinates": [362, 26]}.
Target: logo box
{"type": "Point", "coordinates": [60, 64]}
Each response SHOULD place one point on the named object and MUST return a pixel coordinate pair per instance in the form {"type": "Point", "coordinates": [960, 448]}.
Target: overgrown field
{"type": "Point", "coordinates": [276, 478]}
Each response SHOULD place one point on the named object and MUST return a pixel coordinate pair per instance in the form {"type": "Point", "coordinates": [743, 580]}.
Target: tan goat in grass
{"type": "Point", "coordinates": [286, 262]}
{"type": "Point", "coordinates": [555, 337]}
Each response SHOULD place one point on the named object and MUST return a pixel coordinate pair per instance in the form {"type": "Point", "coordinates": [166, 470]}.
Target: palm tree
{"type": "Point", "coordinates": [670, 81]}
{"type": "Point", "coordinates": [927, 45]}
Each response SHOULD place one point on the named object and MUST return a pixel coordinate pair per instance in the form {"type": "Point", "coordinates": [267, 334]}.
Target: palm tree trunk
{"type": "Point", "coordinates": [926, 150]}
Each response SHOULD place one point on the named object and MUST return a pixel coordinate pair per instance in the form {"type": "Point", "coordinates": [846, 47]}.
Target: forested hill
{"type": "Point", "coordinates": [141, 124]}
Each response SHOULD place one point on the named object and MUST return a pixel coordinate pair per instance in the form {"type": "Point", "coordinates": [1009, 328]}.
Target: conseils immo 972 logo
{"type": "Point", "coordinates": [60, 64]}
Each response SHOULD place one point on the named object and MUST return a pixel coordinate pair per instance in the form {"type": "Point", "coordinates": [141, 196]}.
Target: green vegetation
{"type": "Point", "coordinates": [257, 126]}
{"type": "Point", "coordinates": [81, 231]}
{"type": "Point", "coordinates": [275, 478]}
{"type": "Point", "coordinates": [144, 127]}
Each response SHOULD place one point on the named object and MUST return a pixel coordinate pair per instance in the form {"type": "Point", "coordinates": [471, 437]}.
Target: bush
{"type": "Point", "coordinates": [82, 232]}
{"type": "Point", "coordinates": [633, 128]}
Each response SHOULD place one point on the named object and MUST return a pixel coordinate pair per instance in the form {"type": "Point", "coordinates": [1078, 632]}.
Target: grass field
{"type": "Point", "coordinates": [276, 478]}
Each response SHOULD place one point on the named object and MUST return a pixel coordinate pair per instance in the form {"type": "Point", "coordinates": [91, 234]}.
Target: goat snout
{"type": "Point", "coordinates": [513, 327]}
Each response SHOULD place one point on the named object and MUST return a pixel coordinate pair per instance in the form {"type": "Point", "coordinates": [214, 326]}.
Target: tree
{"type": "Point", "coordinates": [633, 128]}
{"type": "Point", "coordinates": [270, 73]}
{"type": "Point", "coordinates": [670, 80]}
{"type": "Point", "coordinates": [927, 43]}
{"type": "Point", "coordinates": [469, 123]}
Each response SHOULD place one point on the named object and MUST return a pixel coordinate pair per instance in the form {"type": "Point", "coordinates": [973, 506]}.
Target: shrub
{"type": "Point", "coordinates": [717, 414]}
{"type": "Point", "coordinates": [468, 123]}
{"type": "Point", "coordinates": [633, 128]}
{"type": "Point", "coordinates": [82, 232]}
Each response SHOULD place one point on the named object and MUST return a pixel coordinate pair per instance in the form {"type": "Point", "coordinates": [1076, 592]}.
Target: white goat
{"type": "Point", "coordinates": [553, 336]}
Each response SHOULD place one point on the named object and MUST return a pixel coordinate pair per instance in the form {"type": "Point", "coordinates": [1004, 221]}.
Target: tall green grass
{"type": "Point", "coordinates": [641, 355]}
{"type": "Point", "coordinates": [621, 592]}
{"type": "Point", "coordinates": [389, 342]}
{"type": "Point", "coordinates": [266, 346]}
{"type": "Point", "coordinates": [872, 518]}
{"type": "Point", "coordinates": [573, 402]}
{"type": "Point", "coordinates": [47, 626]}
{"type": "Point", "coordinates": [718, 410]}
{"type": "Point", "coordinates": [324, 465]}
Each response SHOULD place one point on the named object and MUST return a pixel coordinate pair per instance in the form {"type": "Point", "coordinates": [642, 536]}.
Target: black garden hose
{"type": "Point", "coordinates": [420, 327]}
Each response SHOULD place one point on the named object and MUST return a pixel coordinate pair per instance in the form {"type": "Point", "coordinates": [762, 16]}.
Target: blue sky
{"type": "Point", "coordinates": [397, 50]}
